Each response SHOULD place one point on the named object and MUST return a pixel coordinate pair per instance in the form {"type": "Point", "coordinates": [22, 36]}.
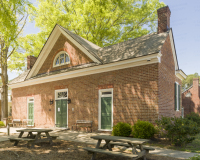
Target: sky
{"type": "Point", "coordinates": [185, 24]}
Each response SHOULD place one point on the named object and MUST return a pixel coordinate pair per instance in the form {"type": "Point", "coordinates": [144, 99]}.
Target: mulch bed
{"type": "Point", "coordinates": [60, 150]}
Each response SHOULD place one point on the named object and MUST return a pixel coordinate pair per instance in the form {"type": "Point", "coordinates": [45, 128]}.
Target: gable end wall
{"type": "Point", "coordinates": [77, 57]}
{"type": "Point", "coordinates": [166, 81]}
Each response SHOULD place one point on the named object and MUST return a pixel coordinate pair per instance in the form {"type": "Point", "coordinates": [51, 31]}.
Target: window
{"type": "Point", "coordinates": [62, 58]}
{"type": "Point", "coordinates": [106, 109]}
{"type": "Point", "coordinates": [61, 94]}
{"type": "Point", "coordinates": [177, 96]}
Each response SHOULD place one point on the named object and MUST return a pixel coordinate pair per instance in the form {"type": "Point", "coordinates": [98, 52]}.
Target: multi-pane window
{"type": "Point", "coordinates": [177, 97]}
{"type": "Point", "coordinates": [61, 59]}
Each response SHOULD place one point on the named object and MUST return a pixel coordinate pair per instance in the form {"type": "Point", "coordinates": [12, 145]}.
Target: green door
{"type": "Point", "coordinates": [61, 113]}
{"type": "Point", "coordinates": [31, 113]}
{"type": "Point", "coordinates": [106, 112]}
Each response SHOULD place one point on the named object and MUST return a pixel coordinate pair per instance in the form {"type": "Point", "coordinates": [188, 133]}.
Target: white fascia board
{"type": "Point", "coordinates": [79, 46]}
{"type": "Point", "coordinates": [154, 58]}
{"type": "Point", "coordinates": [181, 75]}
{"type": "Point", "coordinates": [173, 50]}
{"type": "Point", "coordinates": [45, 52]}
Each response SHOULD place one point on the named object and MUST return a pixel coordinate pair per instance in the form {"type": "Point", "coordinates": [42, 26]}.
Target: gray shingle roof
{"type": "Point", "coordinates": [66, 70]}
{"type": "Point", "coordinates": [133, 48]}
{"type": "Point", "coordinates": [91, 47]}
{"type": "Point", "coordinates": [20, 78]}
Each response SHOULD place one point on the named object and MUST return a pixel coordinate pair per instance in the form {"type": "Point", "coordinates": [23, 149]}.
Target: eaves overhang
{"type": "Point", "coordinates": [180, 74]}
{"type": "Point", "coordinates": [139, 61]}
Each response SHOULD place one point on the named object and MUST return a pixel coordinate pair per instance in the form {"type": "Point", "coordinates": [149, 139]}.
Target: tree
{"type": "Point", "coordinates": [186, 83]}
{"type": "Point", "coordinates": [101, 22]}
{"type": "Point", "coordinates": [13, 17]}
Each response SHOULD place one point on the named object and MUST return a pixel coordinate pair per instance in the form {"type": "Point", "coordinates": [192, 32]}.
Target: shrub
{"type": "Point", "coordinates": [1, 124]}
{"type": "Point", "coordinates": [122, 129]}
{"type": "Point", "coordinates": [179, 130]}
{"type": "Point", "coordinates": [194, 117]}
{"type": "Point", "coordinates": [143, 129]}
{"type": "Point", "coordinates": [197, 157]}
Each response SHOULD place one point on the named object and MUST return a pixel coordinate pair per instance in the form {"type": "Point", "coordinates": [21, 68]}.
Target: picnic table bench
{"type": "Point", "coordinates": [34, 138]}
{"type": "Point", "coordinates": [138, 150]}
{"type": "Point", "coordinates": [83, 123]}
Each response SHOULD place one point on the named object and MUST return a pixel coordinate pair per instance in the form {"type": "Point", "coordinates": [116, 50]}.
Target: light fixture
{"type": "Point", "coordinates": [68, 100]}
{"type": "Point", "coordinates": [51, 101]}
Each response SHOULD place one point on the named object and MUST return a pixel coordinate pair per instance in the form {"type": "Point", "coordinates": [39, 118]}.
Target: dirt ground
{"type": "Point", "coordinates": [60, 150]}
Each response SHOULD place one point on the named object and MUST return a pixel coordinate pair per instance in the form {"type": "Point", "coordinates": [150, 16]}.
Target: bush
{"type": "Point", "coordinates": [143, 129]}
{"type": "Point", "coordinates": [122, 129]}
{"type": "Point", "coordinates": [194, 117]}
{"type": "Point", "coordinates": [197, 157]}
{"type": "Point", "coordinates": [179, 130]}
{"type": "Point", "coordinates": [1, 124]}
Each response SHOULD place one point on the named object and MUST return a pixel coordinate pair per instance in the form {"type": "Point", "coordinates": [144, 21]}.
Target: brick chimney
{"type": "Point", "coordinates": [30, 61]}
{"type": "Point", "coordinates": [163, 19]}
{"type": "Point", "coordinates": [196, 88]}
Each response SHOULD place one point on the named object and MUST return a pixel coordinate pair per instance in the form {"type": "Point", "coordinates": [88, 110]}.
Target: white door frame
{"type": "Point", "coordinates": [28, 101]}
{"type": "Point", "coordinates": [56, 98]}
{"type": "Point", "coordinates": [99, 108]}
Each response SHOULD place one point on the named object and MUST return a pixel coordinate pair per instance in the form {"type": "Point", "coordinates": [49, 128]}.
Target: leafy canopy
{"type": "Point", "coordinates": [101, 22]}
{"type": "Point", "coordinates": [186, 83]}
{"type": "Point", "coordinates": [13, 14]}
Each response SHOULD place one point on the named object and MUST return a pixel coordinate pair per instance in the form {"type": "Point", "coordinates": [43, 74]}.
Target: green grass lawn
{"type": "Point", "coordinates": [191, 147]}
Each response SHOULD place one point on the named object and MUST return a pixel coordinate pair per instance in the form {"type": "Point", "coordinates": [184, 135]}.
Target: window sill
{"type": "Point", "coordinates": [104, 130]}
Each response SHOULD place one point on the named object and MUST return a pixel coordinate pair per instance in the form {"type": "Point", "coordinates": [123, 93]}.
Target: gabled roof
{"type": "Point", "coordinates": [133, 48]}
{"type": "Point", "coordinates": [139, 47]}
{"type": "Point", "coordinates": [20, 78]}
{"type": "Point", "coordinates": [91, 47]}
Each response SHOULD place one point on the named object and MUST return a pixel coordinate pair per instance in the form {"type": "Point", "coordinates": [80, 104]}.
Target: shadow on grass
{"type": "Point", "coordinates": [191, 147]}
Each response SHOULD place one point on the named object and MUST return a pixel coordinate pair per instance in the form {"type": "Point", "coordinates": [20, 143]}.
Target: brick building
{"type": "Point", "coordinates": [136, 79]}
{"type": "Point", "coordinates": [191, 99]}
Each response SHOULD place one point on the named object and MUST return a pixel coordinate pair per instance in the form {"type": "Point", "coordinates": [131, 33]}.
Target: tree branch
{"type": "Point", "coordinates": [11, 53]}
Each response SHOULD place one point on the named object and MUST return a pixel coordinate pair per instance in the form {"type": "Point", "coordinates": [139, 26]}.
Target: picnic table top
{"type": "Point", "coordinates": [34, 130]}
{"type": "Point", "coordinates": [121, 139]}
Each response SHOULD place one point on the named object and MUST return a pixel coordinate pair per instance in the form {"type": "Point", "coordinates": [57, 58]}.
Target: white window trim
{"type": "Point", "coordinates": [177, 97]}
{"type": "Point", "coordinates": [59, 53]}
{"type": "Point", "coordinates": [99, 108]}
{"type": "Point", "coordinates": [28, 101]}
{"type": "Point", "coordinates": [61, 90]}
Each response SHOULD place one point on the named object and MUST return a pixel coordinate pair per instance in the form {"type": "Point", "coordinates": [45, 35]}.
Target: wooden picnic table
{"type": "Point", "coordinates": [138, 150]}
{"type": "Point", "coordinates": [34, 138]}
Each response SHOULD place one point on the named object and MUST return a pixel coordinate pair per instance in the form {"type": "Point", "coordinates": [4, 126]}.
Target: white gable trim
{"type": "Point", "coordinates": [173, 50]}
{"type": "Point", "coordinates": [48, 47]}
{"type": "Point", "coordinates": [180, 74]}
{"type": "Point", "coordinates": [79, 46]}
{"type": "Point", "coordinates": [144, 60]}
{"type": "Point", "coordinates": [45, 52]}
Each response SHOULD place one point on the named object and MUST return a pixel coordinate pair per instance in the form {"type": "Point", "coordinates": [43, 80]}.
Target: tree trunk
{"type": "Point", "coordinates": [4, 93]}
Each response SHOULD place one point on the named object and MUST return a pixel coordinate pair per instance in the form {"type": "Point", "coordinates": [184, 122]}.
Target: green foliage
{"type": "Point", "coordinates": [194, 117]}
{"type": "Point", "coordinates": [186, 83]}
{"type": "Point", "coordinates": [1, 124]}
{"type": "Point", "coordinates": [143, 129]}
{"type": "Point", "coordinates": [101, 22]}
{"type": "Point", "coordinates": [179, 130]}
{"type": "Point", "coordinates": [121, 129]}
{"type": "Point", "coordinates": [197, 157]}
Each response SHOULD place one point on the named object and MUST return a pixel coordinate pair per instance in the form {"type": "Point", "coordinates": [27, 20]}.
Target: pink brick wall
{"type": "Point", "coordinates": [135, 93]}
{"type": "Point", "coordinates": [77, 57]}
{"type": "Point", "coordinates": [167, 79]}
{"type": "Point", "coordinates": [192, 103]}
